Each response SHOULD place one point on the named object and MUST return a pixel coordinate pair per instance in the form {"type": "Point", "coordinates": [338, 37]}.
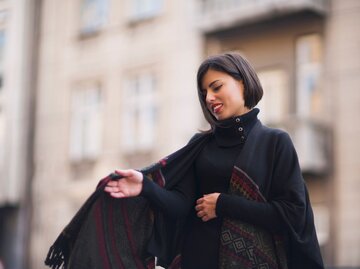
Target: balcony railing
{"type": "Point", "coordinates": [221, 14]}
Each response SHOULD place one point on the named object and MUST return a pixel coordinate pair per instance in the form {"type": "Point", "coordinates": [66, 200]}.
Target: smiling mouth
{"type": "Point", "coordinates": [216, 108]}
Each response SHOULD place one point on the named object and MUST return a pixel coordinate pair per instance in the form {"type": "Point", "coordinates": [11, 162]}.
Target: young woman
{"type": "Point", "coordinates": [234, 197]}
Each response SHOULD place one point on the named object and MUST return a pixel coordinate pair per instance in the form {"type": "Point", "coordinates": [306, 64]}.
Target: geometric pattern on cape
{"type": "Point", "coordinates": [246, 246]}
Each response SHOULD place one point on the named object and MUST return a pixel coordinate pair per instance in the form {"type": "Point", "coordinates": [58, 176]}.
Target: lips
{"type": "Point", "coordinates": [216, 107]}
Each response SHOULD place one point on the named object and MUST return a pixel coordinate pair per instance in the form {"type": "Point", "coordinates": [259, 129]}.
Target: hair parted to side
{"type": "Point", "coordinates": [235, 65]}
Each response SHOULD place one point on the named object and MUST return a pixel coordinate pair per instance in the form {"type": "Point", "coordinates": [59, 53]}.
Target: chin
{"type": "Point", "coordinates": [221, 117]}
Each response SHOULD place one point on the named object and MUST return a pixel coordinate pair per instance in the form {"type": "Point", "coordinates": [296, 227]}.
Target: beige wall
{"type": "Point", "coordinates": [343, 67]}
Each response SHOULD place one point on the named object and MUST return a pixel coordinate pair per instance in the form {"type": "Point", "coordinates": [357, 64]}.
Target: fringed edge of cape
{"type": "Point", "coordinates": [59, 253]}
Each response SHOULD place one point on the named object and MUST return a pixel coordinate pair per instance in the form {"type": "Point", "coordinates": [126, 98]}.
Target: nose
{"type": "Point", "coordinates": [209, 97]}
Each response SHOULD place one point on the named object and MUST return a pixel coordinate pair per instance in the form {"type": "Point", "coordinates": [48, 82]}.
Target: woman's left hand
{"type": "Point", "coordinates": [206, 206]}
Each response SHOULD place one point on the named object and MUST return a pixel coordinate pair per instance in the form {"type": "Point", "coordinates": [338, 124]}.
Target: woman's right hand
{"type": "Point", "coordinates": [129, 185]}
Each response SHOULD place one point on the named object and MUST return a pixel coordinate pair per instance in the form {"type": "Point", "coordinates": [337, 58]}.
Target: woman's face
{"type": "Point", "coordinates": [224, 95]}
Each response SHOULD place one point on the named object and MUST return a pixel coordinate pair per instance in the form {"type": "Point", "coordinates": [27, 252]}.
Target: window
{"type": "Point", "coordinates": [140, 113]}
{"type": "Point", "coordinates": [308, 71]}
{"type": "Point", "coordinates": [144, 9]}
{"type": "Point", "coordinates": [93, 16]}
{"type": "Point", "coordinates": [275, 102]}
{"type": "Point", "coordinates": [86, 123]}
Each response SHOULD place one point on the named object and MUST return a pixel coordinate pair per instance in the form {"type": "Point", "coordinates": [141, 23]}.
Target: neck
{"type": "Point", "coordinates": [234, 130]}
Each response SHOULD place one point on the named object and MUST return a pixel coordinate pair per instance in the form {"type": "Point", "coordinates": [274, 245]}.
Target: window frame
{"type": "Point", "coordinates": [86, 123]}
{"type": "Point", "coordinates": [282, 91]}
{"type": "Point", "coordinates": [98, 21]}
{"type": "Point", "coordinates": [140, 100]}
{"type": "Point", "coordinates": [137, 12]}
{"type": "Point", "coordinates": [310, 72]}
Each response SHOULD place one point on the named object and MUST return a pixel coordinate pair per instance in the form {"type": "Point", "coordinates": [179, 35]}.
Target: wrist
{"type": "Point", "coordinates": [219, 208]}
{"type": "Point", "coordinates": [146, 185]}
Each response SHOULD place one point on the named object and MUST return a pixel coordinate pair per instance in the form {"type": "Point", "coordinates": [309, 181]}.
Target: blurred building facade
{"type": "Point", "coordinates": [18, 47]}
{"type": "Point", "coordinates": [116, 88]}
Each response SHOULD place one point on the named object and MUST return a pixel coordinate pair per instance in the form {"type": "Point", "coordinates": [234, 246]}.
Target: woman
{"type": "Point", "coordinates": [233, 197]}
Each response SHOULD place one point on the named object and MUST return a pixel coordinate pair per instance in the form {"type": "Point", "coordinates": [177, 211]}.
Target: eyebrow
{"type": "Point", "coordinates": [211, 84]}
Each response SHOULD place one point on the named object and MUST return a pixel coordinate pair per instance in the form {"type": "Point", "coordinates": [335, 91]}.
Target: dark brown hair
{"type": "Point", "coordinates": [239, 68]}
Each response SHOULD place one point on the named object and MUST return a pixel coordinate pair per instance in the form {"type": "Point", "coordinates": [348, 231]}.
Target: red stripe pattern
{"type": "Point", "coordinates": [100, 235]}
{"type": "Point", "coordinates": [114, 248]}
{"type": "Point", "coordinates": [244, 245]}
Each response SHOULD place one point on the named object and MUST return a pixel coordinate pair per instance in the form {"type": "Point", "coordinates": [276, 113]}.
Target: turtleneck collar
{"type": "Point", "coordinates": [234, 131]}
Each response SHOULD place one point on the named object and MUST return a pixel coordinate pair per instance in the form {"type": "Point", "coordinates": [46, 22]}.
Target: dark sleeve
{"type": "Point", "coordinates": [260, 214]}
{"type": "Point", "coordinates": [291, 199]}
{"type": "Point", "coordinates": [175, 203]}
{"type": "Point", "coordinates": [287, 181]}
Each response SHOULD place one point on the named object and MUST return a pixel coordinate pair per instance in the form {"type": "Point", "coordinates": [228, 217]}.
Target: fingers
{"type": "Point", "coordinates": [112, 186]}
{"type": "Point", "coordinates": [125, 173]}
{"type": "Point", "coordinates": [111, 189]}
{"type": "Point", "coordinates": [130, 185]}
{"type": "Point", "coordinates": [112, 183]}
{"type": "Point", "coordinates": [204, 216]}
{"type": "Point", "coordinates": [200, 214]}
{"type": "Point", "coordinates": [200, 204]}
{"type": "Point", "coordinates": [117, 194]}
{"type": "Point", "coordinates": [200, 208]}
{"type": "Point", "coordinates": [205, 206]}
{"type": "Point", "coordinates": [131, 174]}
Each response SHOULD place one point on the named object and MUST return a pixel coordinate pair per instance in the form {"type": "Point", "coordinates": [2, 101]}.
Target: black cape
{"type": "Point", "coordinates": [128, 233]}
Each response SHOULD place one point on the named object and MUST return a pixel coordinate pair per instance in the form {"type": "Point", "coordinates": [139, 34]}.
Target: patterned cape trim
{"type": "Point", "coordinates": [243, 245]}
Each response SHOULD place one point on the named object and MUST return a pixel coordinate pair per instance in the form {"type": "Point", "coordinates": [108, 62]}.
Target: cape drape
{"type": "Point", "coordinates": [127, 233]}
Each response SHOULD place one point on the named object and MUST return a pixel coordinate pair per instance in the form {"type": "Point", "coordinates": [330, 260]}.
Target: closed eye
{"type": "Point", "coordinates": [217, 88]}
{"type": "Point", "coordinates": [214, 89]}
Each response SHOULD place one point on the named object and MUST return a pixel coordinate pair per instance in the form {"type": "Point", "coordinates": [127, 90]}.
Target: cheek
{"type": "Point", "coordinates": [237, 100]}
{"type": "Point", "coordinates": [241, 96]}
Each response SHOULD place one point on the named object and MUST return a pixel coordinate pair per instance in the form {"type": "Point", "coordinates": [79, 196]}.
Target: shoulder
{"type": "Point", "coordinates": [273, 132]}
{"type": "Point", "coordinates": [276, 136]}
{"type": "Point", "coordinates": [199, 136]}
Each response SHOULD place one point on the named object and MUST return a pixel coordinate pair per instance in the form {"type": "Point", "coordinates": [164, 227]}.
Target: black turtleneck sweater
{"type": "Point", "coordinates": [212, 171]}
